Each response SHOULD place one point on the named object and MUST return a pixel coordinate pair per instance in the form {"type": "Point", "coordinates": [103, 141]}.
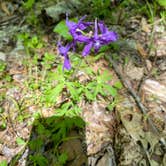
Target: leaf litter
{"type": "Point", "coordinates": [124, 129]}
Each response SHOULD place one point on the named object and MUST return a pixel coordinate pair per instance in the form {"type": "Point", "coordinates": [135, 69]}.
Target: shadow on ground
{"type": "Point", "coordinates": [56, 141]}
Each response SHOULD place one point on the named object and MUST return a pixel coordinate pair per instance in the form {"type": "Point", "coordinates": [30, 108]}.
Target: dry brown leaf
{"type": "Point", "coordinates": [145, 26]}
{"type": "Point", "coordinates": [4, 8]}
{"type": "Point", "coordinates": [135, 73]}
{"type": "Point", "coordinates": [141, 50]}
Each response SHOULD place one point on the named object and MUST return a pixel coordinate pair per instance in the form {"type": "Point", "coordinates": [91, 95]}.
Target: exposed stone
{"type": "Point", "coordinates": [100, 128]}
{"type": "Point", "coordinates": [155, 89]}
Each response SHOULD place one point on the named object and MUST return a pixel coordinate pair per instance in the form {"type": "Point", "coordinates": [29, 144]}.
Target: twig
{"type": "Point", "coordinates": [9, 20]}
{"type": "Point", "coordinates": [135, 96]}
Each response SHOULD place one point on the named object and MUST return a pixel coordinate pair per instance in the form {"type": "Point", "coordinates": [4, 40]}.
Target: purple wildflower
{"type": "Point", "coordinates": [91, 40]}
{"type": "Point", "coordinates": [106, 35]}
{"type": "Point", "coordinates": [96, 41]}
{"type": "Point", "coordinates": [76, 28]}
{"type": "Point", "coordinates": [63, 50]}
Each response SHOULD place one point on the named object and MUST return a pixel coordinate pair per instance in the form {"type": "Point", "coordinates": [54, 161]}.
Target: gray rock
{"type": "Point", "coordinates": [155, 88]}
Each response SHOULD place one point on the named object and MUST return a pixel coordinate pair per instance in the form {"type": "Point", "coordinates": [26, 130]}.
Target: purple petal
{"type": "Point", "coordinates": [84, 25]}
{"type": "Point", "coordinates": [109, 37]}
{"type": "Point", "coordinates": [70, 24]}
{"type": "Point", "coordinates": [81, 38]}
{"type": "Point", "coordinates": [63, 50]}
{"type": "Point", "coordinates": [103, 28]}
{"type": "Point", "coordinates": [66, 64]}
{"type": "Point", "coordinates": [96, 30]}
{"type": "Point", "coordinates": [74, 26]}
{"type": "Point", "coordinates": [87, 49]}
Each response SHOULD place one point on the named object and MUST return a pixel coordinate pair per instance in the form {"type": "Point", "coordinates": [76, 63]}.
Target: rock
{"type": "Point", "coordinates": [63, 7]}
{"type": "Point", "coordinates": [108, 159]}
{"type": "Point", "coordinates": [155, 89]}
{"type": "Point", "coordinates": [9, 153]}
{"type": "Point", "coordinates": [100, 128]}
{"type": "Point", "coordinates": [2, 56]}
{"type": "Point", "coordinates": [104, 161]}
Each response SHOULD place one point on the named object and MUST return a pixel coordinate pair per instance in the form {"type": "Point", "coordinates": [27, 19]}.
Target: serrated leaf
{"type": "Point", "coordinates": [62, 30]}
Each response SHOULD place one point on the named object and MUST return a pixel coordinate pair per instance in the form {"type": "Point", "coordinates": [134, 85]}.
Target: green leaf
{"type": "Point", "coordinates": [112, 91]}
{"type": "Point", "coordinates": [3, 163]}
{"type": "Point", "coordinates": [28, 4]}
{"type": "Point", "coordinates": [111, 106]}
{"type": "Point", "coordinates": [20, 141]}
{"type": "Point", "coordinates": [73, 91]}
{"type": "Point", "coordinates": [98, 56]}
{"type": "Point", "coordinates": [36, 144]}
{"type": "Point", "coordinates": [52, 94]}
{"type": "Point", "coordinates": [39, 160]}
{"type": "Point", "coordinates": [162, 2]}
{"type": "Point", "coordinates": [99, 89]}
{"type": "Point", "coordinates": [48, 57]}
{"type": "Point", "coordinates": [89, 95]}
{"type": "Point", "coordinates": [62, 30]}
{"type": "Point", "coordinates": [104, 77]}
{"type": "Point", "coordinates": [2, 66]}
{"type": "Point", "coordinates": [62, 158]}
{"type": "Point", "coordinates": [118, 85]}
{"type": "Point", "coordinates": [64, 109]}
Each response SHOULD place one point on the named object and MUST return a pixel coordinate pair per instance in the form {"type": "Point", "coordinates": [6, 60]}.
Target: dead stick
{"type": "Point", "coordinates": [135, 96]}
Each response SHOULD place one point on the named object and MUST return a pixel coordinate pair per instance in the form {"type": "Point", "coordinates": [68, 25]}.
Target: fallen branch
{"type": "Point", "coordinates": [137, 99]}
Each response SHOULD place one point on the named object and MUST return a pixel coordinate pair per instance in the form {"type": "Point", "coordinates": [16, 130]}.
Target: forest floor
{"type": "Point", "coordinates": [43, 124]}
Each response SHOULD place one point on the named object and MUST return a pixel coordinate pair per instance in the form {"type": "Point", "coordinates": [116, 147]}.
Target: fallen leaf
{"type": "Point", "coordinates": [145, 26]}
{"type": "Point", "coordinates": [4, 8]}
{"type": "Point", "coordinates": [141, 50]}
{"type": "Point", "coordinates": [135, 73]}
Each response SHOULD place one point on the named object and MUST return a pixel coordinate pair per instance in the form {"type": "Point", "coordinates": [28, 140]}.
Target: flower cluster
{"type": "Point", "coordinates": [91, 40]}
